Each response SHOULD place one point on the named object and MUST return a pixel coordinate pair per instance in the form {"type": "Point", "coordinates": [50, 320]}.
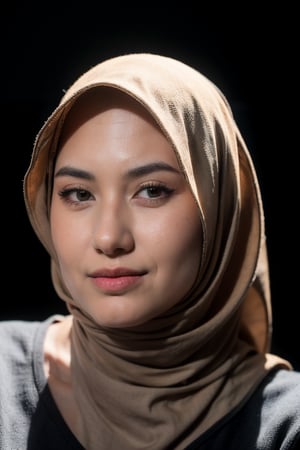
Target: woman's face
{"type": "Point", "coordinates": [125, 226]}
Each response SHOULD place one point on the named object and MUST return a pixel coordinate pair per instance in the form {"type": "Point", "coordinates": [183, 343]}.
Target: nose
{"type": "Point", "coordinates": [113, 234]}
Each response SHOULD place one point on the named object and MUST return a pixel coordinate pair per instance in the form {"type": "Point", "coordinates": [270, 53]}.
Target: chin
{"type": "Point", "coordinates": [120, 321]}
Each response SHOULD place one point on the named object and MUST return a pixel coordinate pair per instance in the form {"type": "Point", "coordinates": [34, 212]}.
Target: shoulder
{"type": "Point", "coordinates": [22, 343]}
{"type": "Point", "coordinates": [14, 331]}
{"type": "Point", "coordinates": [282, 385]}
{"type": "Point", "coordinates": [17, 339]}
{"type": "Point", "coordinates": [280, 393]}
{"type": "Point", "coordinates": [21, 350]}
{"type": "Point", "coordinates": [19, 336]}
{"type": "Point", "coordinates": [272, 413]}
{"type": "Point", "coordinates": [21, 377]}
{"type": "Point", "coordinates": [268, 420]}
{"type": "Point", "coordinates": [280, 412]}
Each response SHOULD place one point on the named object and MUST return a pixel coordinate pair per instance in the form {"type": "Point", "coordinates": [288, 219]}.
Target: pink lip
{"type": "Point", "coordinates": [116, 280]}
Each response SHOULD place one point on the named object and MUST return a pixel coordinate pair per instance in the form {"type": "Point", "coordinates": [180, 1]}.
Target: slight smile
{"type": "Point", "coordinates": [116, 280]}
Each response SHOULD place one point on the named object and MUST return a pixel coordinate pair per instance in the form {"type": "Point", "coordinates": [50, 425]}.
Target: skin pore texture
{"type": "Point", "coordinates": [125, 226]}
{"type": "Point", "coordinates": [123, 218]}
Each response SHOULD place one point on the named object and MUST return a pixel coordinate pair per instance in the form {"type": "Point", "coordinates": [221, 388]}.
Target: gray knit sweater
{"type": "Point", "coordinates": [29, 419]}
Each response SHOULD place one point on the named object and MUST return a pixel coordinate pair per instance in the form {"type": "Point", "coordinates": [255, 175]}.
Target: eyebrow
{"type": "Point", "coordinates": [70, 171]}
{"type": "Point", "coordinates": [150, 168]}
{"type": "Point", "coordinates": [132, 173]}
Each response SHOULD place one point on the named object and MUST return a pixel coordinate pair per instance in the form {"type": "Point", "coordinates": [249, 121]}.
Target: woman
{"type": "Point", "coordinates": [143, 192]}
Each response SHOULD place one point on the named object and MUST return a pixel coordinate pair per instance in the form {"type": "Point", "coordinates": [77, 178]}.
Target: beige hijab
{"type": "Point", "coordinates": [160, 385]}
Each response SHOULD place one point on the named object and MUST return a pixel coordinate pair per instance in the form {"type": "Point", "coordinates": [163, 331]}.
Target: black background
{"type": "Point", "coordinates": [250, 54]}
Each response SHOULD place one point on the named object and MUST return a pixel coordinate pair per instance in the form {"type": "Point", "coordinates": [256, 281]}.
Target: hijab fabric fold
{"type": "Point", "coordinates": [160, 385]}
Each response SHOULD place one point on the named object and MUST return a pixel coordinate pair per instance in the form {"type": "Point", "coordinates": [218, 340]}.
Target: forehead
{"type": "Point", "coordinates": [96, 101]}
{"type": "Point", "coordinates": [117, 126]}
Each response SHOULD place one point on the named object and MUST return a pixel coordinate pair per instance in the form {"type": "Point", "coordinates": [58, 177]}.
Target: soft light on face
{"type": "Point", "coordinates": [125, 226]}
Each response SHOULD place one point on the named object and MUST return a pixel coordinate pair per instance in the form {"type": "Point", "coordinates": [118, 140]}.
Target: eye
{"type": "Point", "coordinates": [82, 195]}
{"type": "Point", "coordinates": [153, 194]}
{"type": "Point", "coordinates": [154, 191]}
{"type": "Point", "coordinates": [75, 195]}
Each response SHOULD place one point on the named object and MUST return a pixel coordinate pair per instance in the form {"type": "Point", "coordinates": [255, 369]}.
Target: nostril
{"type": "Point", "coordinates": [112, 252]}
{"type": "Point", "coordinates": [114, 243]}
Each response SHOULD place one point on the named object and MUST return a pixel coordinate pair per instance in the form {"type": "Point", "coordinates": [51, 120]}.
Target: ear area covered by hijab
{"type": "Point", "coordinates": [219, 339]}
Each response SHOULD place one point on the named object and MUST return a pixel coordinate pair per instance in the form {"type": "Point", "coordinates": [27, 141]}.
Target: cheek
{"type": "Point", "coordinates": [58, 229]}
{"type": "Point", "coordinates": [65, 231]}
{"type": "Point", "coordinates": [176, 237]}
{"type": "Point", "coordinates": [187, 241]}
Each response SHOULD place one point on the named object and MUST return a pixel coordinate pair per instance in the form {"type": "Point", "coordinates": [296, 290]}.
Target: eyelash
{"type": "Point", "coordinates": [163, 189]}
{"type": "Point", "coordinates": [163, 193]}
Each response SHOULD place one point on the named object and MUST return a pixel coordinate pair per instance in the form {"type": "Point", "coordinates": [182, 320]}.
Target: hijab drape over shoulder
{"type": "Point", "coordinates": [160, 385]}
